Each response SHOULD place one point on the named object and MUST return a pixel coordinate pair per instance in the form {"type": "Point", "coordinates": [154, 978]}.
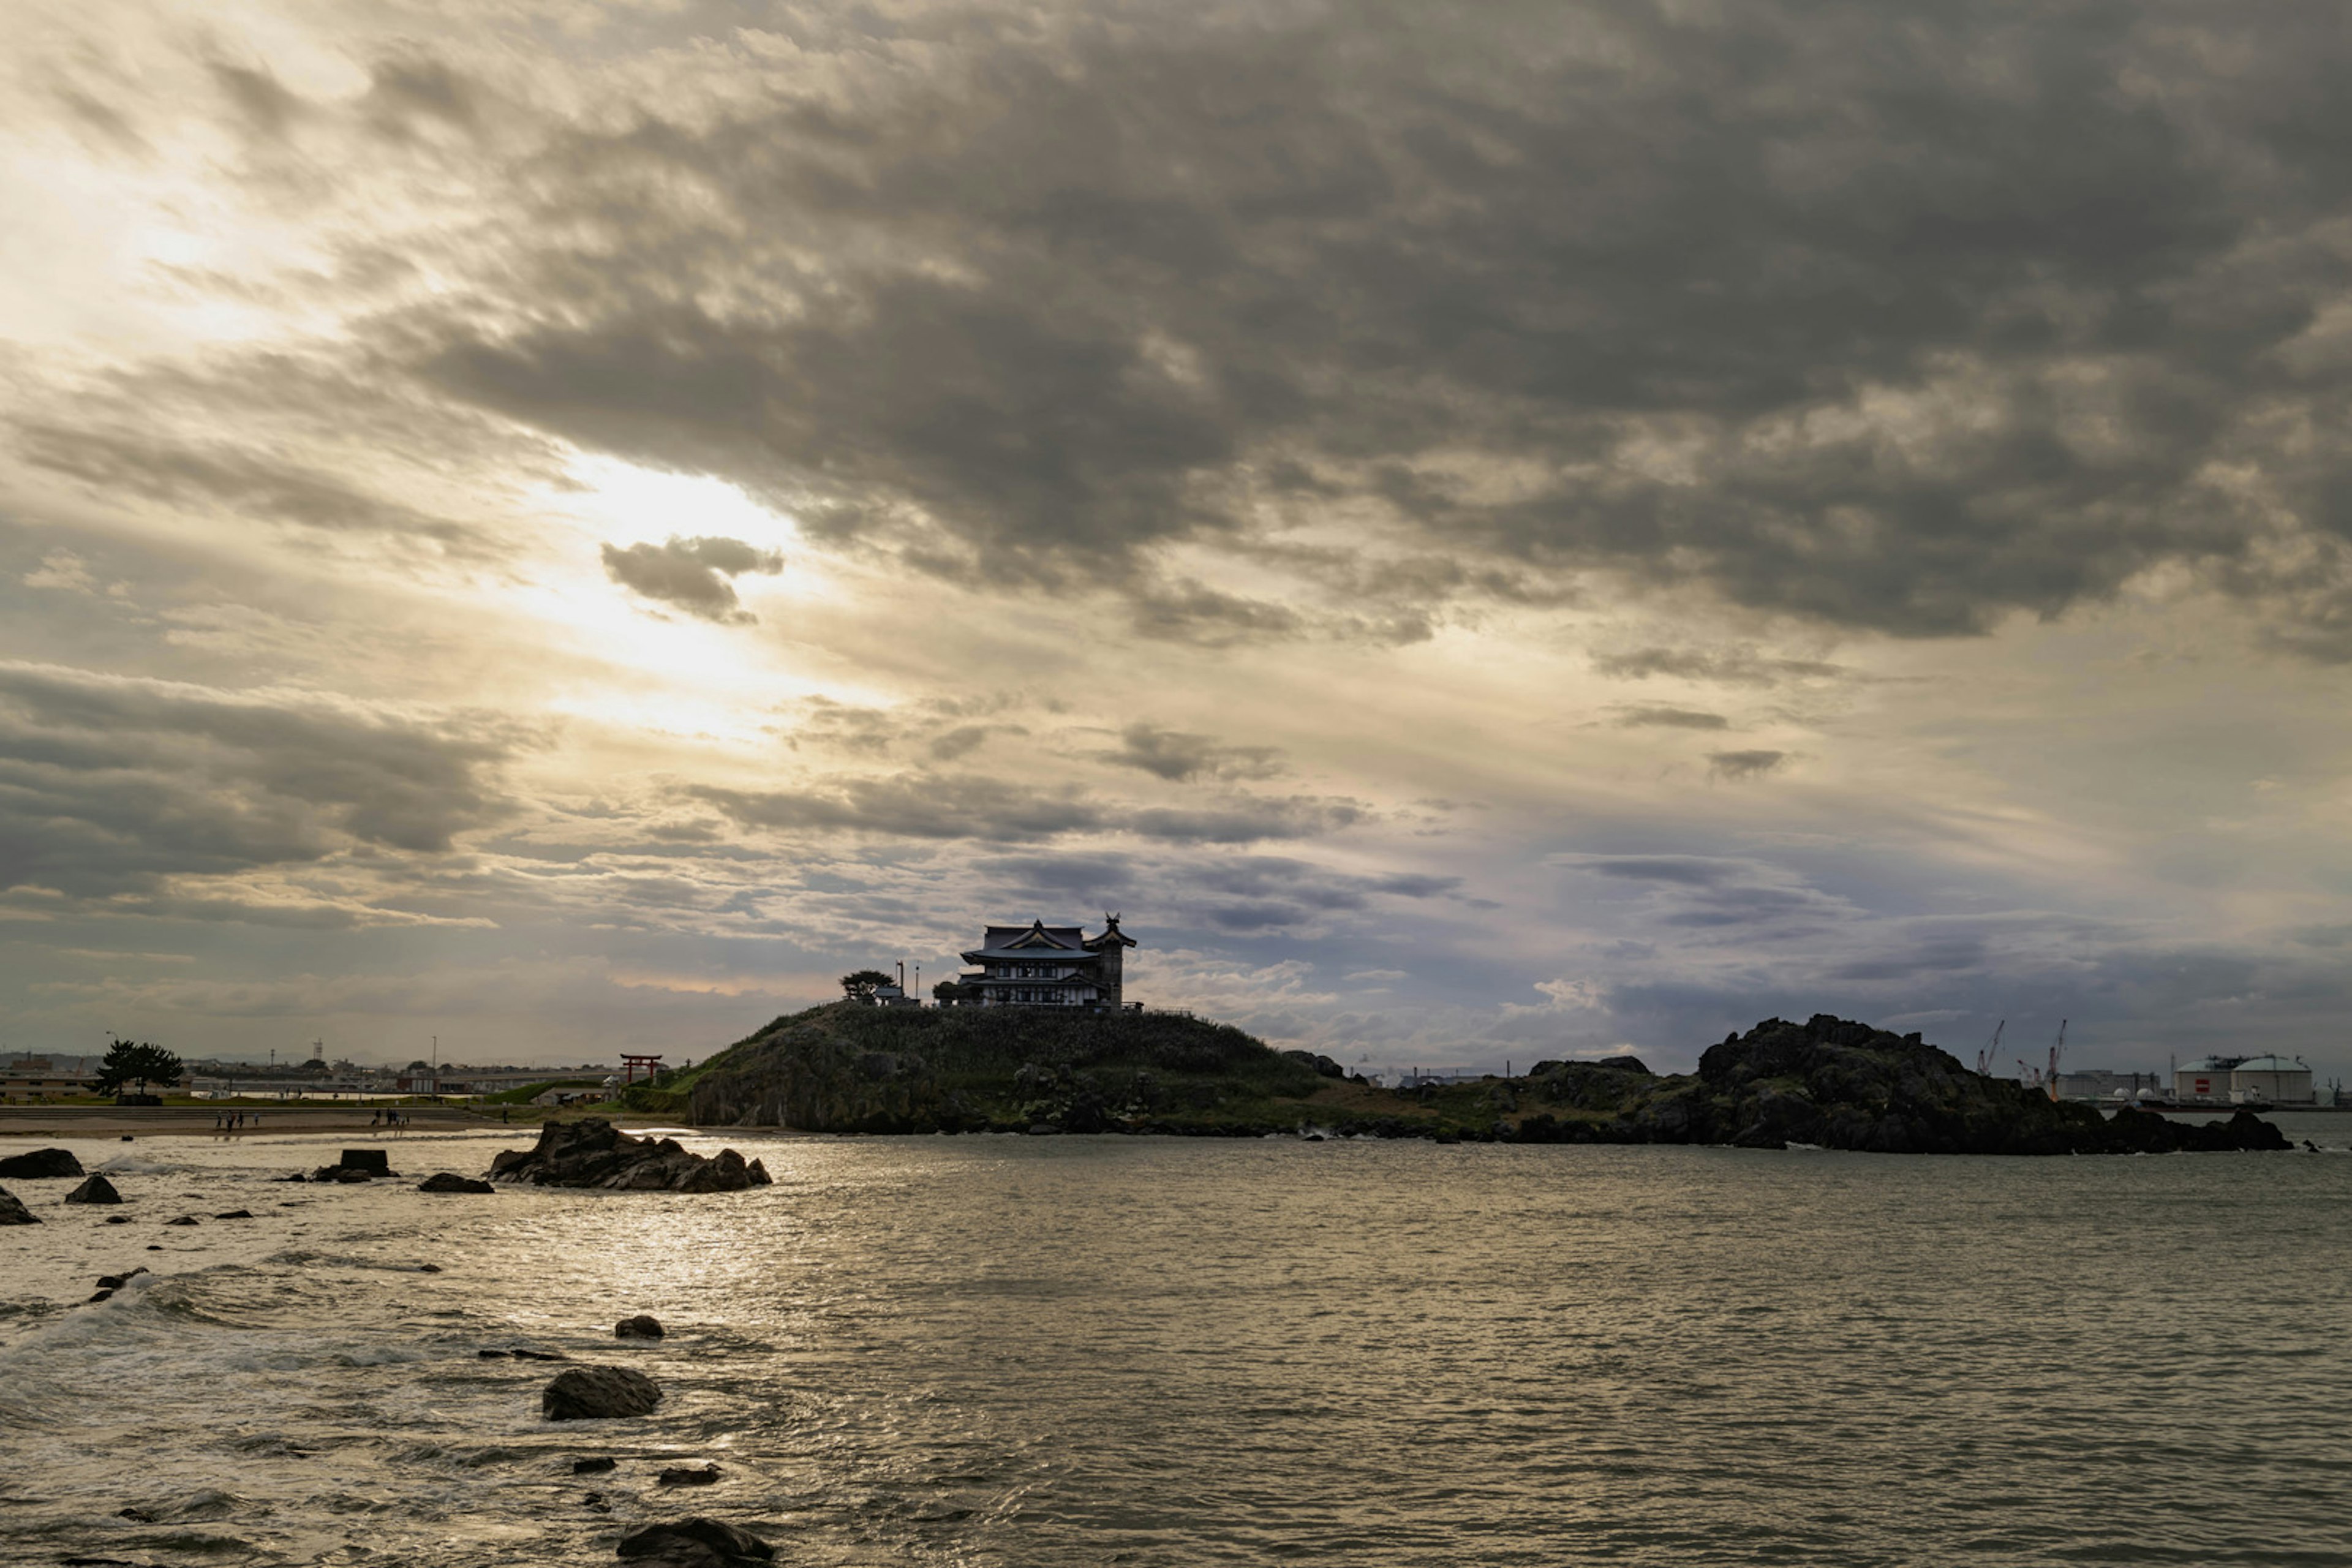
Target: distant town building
{"type": "Point", "coordinates": [25, 1076]}
{"type": "Point", "coordinates": [1038, 965]}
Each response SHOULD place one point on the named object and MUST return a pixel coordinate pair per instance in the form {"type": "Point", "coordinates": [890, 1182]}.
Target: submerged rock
{"type": "Point", "coordinates": [598, 1393]}
{"type": "Point", "coordinates": [450, 1181]}
{"type": "Point", "coordinates": [595, 1153]}
{"type": "Point", "coordinates": [41, 1165]}
{"type": "Point", "coordinates": [641, 1327]}
{"type": "Point", "coordinates": [117, 1281]}
{"type": "Point", "coordinates": [687, 1476]}
{"type": "Point", "coordinates": [595, 1467]}
{"type": "Point", "coordinates": [96, 1190]}
{"type": "Point", "coordinates": [694, 1542]}
{"type": "Point", "coordinates": [183, 1219]}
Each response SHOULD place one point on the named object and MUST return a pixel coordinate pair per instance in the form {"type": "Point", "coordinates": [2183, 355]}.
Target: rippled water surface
{"type": "Point", "coordinates": [1073, 1351]}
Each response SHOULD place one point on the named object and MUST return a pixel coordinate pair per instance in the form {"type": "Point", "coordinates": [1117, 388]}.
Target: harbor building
{"type": "Point", "coordinates": [2272, 1080]}
{"type": "Point", "coordinates": [1038, 965]}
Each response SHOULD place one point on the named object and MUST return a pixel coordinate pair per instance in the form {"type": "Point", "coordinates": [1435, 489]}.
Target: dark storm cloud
{"type": "Point", "coordinates": [1684, 871]}
{"type": "Point", "coordinates": [1899, 319]}
{"type": "Point", "coordinates": [691, 574]}
{"type": "Point", "coordinates": [1738, 766]}
{"type": "Point", "coordinates": [1669, 719]}
{"type": "Point", "coordinates": [108, 785]}
{"type": "Point", "coordinates": [1253, 893]}
{"type": "Point", "coordinates": [225, 476]}
{"type": "Point", "coordinates": [1180, 756]}
{"type": "Point", "coordinates": [1725, 667]}
{"type": "Point", "coordinates": [924, 805]}
{"type": "Point", "coordinates": [1703, 892]}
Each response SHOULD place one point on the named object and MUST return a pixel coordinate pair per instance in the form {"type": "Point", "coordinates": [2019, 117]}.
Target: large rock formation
{"type": "Point", "coordinates": [595, 1153]}
{"type": "Point", "coordinates": [41, 1165]}
{"type": "Point", "coordinates": [1844, 1085]}
{"type": "Point", "coordinates": [598, 1393]}
{"type": "Point", "coordinates": [846, 1068]}
{"type": "Point", "coordinates": [809, 1077]}
{"type": "Point", "coordinates": [12, 1212]}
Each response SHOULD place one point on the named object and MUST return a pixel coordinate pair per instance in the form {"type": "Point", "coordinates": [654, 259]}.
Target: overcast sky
{"type": "Point", "coordinates": [1487, 534]}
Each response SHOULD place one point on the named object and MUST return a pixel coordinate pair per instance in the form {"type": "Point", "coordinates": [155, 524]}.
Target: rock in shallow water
{"type": "Point", "coordinates": [595, 1153]}
{"type": "Point", "coordinates": [450, 1181]}
{"type": "Point", "coordinates": [14, 1212]}
{"type": "Point", "coordinates": [96, 1190]}
{"type": "Point", "coordinates": [694, 1542]}
{"type": "Point", "coordinates": [598, 1393]}
{"type": "Point", "coordinates": [642, 1327]}
{"type": "Point", "coordinates": [687, 1476]}
{"type": "Point", "coordinates": [41, 1165]}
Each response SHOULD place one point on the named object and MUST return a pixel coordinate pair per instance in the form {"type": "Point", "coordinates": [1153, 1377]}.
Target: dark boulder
{"type": "Point", "coordinates": [593, 1153]}
{"type": "Point", "coordinates": [97, 1189]}
{"type": "Point", "coordinates": [595, 1466]}
{"type": "Point", "coordinates": [117, 1281]}
{"type": "Point", "coordinates": [183, 1219]}
{"type": "Point", "coordinates": [641, 1327]}
{"type": "Point", "coordinates": [234, 1214]}
{"type": "Point", "coordinates": [41, 1165]}
{"type": "Point", "coordinates": [694, 1542]}
{"type": "Point", "coordinates": [376, 1161]}
{"type": "Point", "coordinates": [450, 1181]}
{"type": "Point", "coordinates": [1323, 1067]}
{"type": "Point", "coordinates": [12, 1212]}
{"type": "Point", "coordinates": [598, 1393]}
{"type": "Point", "coordinates": [687, 1476]}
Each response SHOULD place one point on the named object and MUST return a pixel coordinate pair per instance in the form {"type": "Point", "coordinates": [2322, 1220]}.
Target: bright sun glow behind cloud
{"type": "Point", "coordinates": [623, 503]}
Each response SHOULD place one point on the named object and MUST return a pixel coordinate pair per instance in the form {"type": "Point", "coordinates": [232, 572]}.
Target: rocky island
{"type": "Point", "coordinates": [1828, 1082]}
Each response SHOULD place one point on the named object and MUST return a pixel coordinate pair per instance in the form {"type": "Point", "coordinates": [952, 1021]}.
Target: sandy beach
{"type": "Point", "coordinates": [20, 1123]}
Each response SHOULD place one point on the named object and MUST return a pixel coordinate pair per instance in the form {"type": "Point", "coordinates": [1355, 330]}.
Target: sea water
{"type": "Point", "coordinates": [1047, 1351]}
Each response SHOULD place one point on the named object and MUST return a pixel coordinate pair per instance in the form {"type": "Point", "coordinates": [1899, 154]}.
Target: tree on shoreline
{"type": "Point", "coordinates": [143, 1064]}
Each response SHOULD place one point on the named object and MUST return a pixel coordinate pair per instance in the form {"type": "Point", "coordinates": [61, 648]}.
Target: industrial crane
{"type": "Point", "coordinates": [1985, 1056]}
{"type": "Point", "coordinates": [2034, 1077]}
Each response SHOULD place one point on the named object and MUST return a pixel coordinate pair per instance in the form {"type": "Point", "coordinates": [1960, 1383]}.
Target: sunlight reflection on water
{"type": "Point", "coordinates": [1086, 1351]}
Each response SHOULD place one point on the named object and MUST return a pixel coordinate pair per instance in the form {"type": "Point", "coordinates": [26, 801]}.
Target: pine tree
{"type": "Point", "coordinates": [141, 1064]}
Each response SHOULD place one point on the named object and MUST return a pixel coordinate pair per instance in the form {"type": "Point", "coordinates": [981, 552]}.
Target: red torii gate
{"type": "Point", "coordinates": [630, 1064]}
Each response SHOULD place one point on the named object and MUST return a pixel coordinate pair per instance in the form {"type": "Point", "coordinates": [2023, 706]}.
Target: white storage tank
{"type": "Point", "coordinates": [2207, 1078]}
{"type": "Point", "coordinates": [2273, 1079]}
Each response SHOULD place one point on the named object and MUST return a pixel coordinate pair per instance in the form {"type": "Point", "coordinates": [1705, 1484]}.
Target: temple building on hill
{"type": "Point", "coordinates": [1038, 965]}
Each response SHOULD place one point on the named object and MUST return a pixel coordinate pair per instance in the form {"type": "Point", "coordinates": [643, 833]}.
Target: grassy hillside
{"type": "Point", "coordinates": [847, 1068]}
